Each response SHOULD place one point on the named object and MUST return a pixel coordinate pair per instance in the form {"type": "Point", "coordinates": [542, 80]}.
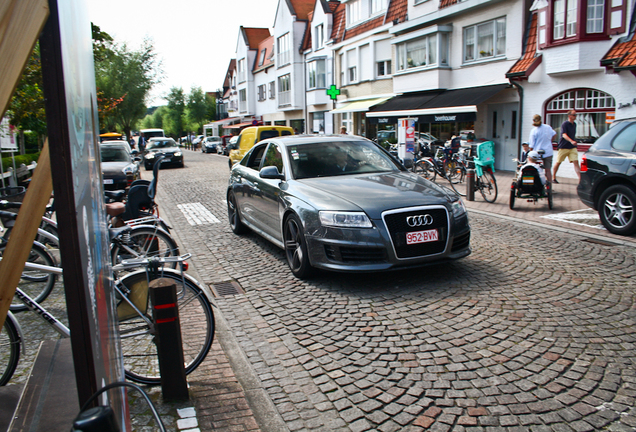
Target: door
{"type": "Point", "coordinates": [503, 130]}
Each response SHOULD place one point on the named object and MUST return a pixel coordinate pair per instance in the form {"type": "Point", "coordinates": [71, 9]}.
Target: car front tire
{"type": "Point", "coordinates": [296, 248]}
{"type": "Point", "coordinates": [616, 210]}
{"type": "Point", "coordinates": [234, 216]}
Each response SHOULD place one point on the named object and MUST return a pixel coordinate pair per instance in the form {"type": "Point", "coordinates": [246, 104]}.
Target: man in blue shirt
{"type": "Point", "coordinates": [567, 145]}
{"type": "Point", "coordinates": [541, 139]}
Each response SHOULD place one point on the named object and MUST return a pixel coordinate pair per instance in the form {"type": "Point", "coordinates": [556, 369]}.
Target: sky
{"type": "Point", "coordinates": [194, 39]}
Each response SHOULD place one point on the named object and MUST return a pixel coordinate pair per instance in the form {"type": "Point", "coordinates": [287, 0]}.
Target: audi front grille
{"type": "Point", "coordinates": [419, 219]}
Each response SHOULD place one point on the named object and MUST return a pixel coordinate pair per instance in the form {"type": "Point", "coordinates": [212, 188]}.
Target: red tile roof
{"type": "Point", "coordinates": [301, 8]}
{"type": "Point", "coordinates": [267, 45]}
{"type": "Point", "coordinates": [254, 36]}
{"type": "Point", "coordinates": [447, 3]}
{"type": "Point", "coordinates": [622, 56]}
{"type": "Point", "coordinates": [530, 59]}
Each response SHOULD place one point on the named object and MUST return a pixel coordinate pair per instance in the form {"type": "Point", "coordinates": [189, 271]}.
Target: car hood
{"type": "Point", "coordinates": [373, 193]}
{"type": "Point", "coordinates": [114, 168]}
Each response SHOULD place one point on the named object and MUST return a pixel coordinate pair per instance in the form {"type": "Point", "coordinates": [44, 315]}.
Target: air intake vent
{"type": "Point", "coordinates": [223, 289]}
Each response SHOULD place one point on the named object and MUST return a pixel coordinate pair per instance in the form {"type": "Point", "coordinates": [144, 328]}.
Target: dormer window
{"type": "Point", "coordinates": [567, 21]}
{"type": "Point", "coordinates": [319, 37]}
{"type": "Point", "coordinates": [362, 10]}
{"type": "Point", "coordinates": [261, 59]}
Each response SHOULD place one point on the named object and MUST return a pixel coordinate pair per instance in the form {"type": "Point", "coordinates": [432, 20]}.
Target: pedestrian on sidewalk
{"type": "Point", "coordinates": [525, 148]}
{"type": "Point", "coordinates": [567, 145]}
{"type": "Point", "coordinates": [541, 139]}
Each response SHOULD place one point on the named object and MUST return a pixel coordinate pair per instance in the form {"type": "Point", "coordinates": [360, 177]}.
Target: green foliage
{"type": "Point", "coordinates": [26, 159]}
{"type": "Point", "coordinates": [196, 112]}
{"type": "Point", "coordinates": [26, 109]}
{"type": "Point", "coordinates": [124, 79]}
{"type": "Point", "coordinates": [176, 111]}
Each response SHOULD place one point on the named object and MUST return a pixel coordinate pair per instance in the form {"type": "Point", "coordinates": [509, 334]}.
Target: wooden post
{"type": "Point", "coordinates": [24, 231]}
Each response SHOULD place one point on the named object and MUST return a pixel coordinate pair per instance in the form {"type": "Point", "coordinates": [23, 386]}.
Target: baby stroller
{"type": "Point", "coordinates": [527, 185]}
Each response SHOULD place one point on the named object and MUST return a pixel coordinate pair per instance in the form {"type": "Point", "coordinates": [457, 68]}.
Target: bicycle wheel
{"type": "Point", "coordinates": [458, 185]}
{"type": "Point", "coordinates": [37, 284]}
{"type": "Point", "coordinates": [138, 336]}
{"type": "Point", "coordinates": [424, 169]}
{"type": "Point", "coordinates": [488, 186]}
{"type": "Point", "coordinates": [9, 349]}
{"type": "Point", "coordinates": [452, 170]}
{"type": "Point", "coordinates": [144, 241]}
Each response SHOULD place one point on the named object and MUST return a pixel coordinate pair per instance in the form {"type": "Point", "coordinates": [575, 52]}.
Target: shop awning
{"type": "Point", "coordinates": [435, 105]}
{"type": "Point", "coordinates": [359, 106]}
{"type": "Point", "coordinates": [222, 122]}
{"type": "Point", "coordinates": [239, 125]}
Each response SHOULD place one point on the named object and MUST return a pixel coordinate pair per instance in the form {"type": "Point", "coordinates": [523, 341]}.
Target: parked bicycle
{"type": "Point", "coordinates": [430, 166]}
{"type": "Point", "coordinates": [137, 330]}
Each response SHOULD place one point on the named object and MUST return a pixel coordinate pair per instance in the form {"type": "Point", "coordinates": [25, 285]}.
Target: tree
{"type": "Point", "coordinates": [124, 79]}
{"type": "Point", "coordinates": [176, 111]}
{"type": "Point", "coordinates": [210, 102]}
{"type": "Point", "coordinates": [26, 109]}
{"type": "Point", "coordinates": [197, 109]}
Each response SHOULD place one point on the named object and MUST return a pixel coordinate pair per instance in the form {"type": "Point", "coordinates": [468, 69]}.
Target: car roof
{"type": "Point", "coordinates": [312, 139]}
{"type": "Point", "coordinates": [160, 139]}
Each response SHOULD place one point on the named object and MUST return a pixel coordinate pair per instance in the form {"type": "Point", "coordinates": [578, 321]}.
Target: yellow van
{"type": "Point", "coordinates": [251, 135]}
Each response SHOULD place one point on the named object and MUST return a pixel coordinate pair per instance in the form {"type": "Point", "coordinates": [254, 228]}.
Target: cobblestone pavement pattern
{"type": "Point", "coordinates": [532, 332]}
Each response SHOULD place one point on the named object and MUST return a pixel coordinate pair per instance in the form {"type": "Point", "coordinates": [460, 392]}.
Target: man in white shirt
{"type": "Point", "coordinates": [541, 139]}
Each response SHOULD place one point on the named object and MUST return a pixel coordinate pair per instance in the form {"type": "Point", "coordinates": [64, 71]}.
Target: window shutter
{"type": "Point", "coordinates": [617, 12]}
{"type": "Point", "coordinates": [542, 27]}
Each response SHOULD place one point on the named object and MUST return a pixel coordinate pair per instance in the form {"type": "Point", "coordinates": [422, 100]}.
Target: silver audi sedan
{"type": "Point", "coordinates": [343, 203]}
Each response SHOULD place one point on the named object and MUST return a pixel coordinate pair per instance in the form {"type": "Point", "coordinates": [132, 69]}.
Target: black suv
{"type": "Point", "coordinates": [608, 177]}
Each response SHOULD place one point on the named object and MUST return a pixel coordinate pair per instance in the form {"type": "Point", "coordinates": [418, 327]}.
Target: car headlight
{"type": "Point", "coordinates": [345, 219]}
{"type": "Point", "coordinates": [150, 156]}
{"type": "Point", "coordinates": [177, 154]}
{"type": "Point", "coordinates": [458, 208]}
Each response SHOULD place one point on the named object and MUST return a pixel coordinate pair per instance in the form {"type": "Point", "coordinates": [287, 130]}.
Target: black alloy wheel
{"type": "Point", "coordinates": [296, 248]}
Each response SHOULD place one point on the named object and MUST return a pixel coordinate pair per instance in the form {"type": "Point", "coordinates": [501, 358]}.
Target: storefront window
{"type": "Point", "coordinates": [591, 106]}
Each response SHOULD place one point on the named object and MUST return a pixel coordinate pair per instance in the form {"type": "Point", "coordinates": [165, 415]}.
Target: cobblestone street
{"type": "Point", "coordinates": [533, 331]}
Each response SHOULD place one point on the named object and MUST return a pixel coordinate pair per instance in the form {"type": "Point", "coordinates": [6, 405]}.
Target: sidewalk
{"type": "Point", "coordinates": [568, 212]}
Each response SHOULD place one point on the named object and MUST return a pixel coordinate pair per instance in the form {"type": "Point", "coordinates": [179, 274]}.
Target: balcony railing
{"type": "Point", "coordinates": [284, 98]}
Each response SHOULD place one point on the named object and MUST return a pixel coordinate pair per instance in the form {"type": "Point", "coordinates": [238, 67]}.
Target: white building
{"type": "Point", "coordinates": [577, 57]}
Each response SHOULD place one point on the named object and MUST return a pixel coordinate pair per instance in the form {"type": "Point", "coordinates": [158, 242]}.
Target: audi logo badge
{"type": "Point", "coordinates": [419, 220]}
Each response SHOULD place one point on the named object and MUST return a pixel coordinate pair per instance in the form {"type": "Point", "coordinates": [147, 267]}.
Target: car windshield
{"type": "Point", "coordinates": [160, 144]}
{"type": "Point", "coordinates": [338, 158]}
{"type": "Point", "coordinates": [114, 154]}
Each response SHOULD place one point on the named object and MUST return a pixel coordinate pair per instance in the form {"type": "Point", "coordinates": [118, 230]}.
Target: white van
{"type": "Point", "coordinates": [152, 133]}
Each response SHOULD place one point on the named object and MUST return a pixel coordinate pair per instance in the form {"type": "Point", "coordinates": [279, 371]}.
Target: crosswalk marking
{"type": "Point", "coordinates": [197, 214]}
{"type": "Point", "coordinates": [586, 217]}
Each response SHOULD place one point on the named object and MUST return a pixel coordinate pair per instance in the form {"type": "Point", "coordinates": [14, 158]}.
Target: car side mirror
{"type": "Point", "coordinates": [137, 159]}
{"type": "Point", "coordinates": [271, 172]}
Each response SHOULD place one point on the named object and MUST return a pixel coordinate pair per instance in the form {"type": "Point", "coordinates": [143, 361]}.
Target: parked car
{"type": "Point", "coordinates": [608, 177]}
{"type": "Point", "coordinates": [223, 147]}
{"type": "Point", "coordinates": [210, 144]}
{"type": "Point", "coordinates": [253, 134]}
{"type": "Point", "coordinates": [162, 146]}
{"type": "Point", "coordinates": [119, 142]}
{"type": "Point", "coordinates": [119, 167]}
{"type": "Point", "coordinates": [342, 203]}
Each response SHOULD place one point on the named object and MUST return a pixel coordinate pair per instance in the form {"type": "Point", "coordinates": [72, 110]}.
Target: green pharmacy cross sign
{"type": "Point", "coordinates": [333, 92]}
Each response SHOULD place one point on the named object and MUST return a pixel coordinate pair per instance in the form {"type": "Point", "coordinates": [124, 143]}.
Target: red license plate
{"type": "Point", "coordinates": [422, 236]}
